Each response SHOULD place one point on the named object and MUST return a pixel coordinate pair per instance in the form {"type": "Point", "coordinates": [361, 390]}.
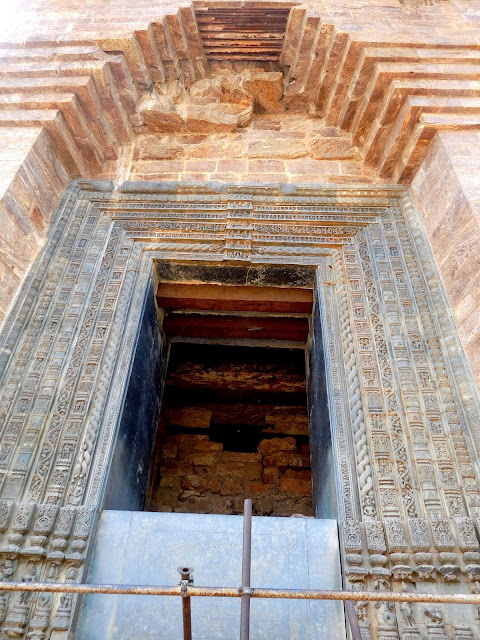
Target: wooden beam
{"type": "Point", "coordinates": [213, 297]}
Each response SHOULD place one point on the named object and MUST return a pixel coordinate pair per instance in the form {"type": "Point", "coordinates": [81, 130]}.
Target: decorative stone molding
{"type": "Point", "coordinates": [403, 407]}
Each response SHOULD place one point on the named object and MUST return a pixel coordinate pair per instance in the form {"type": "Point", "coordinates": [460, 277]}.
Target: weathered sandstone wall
{"type": "Point", "coordinates": [447, 192]}
{"type": "Point", "coordinates": [384, 76]}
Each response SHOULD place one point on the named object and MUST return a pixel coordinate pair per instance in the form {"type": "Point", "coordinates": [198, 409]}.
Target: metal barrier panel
{"type": "Point", "coordinates": [147, 548]}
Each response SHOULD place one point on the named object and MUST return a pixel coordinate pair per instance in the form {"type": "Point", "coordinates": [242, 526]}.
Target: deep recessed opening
{"type": "Point", "coordinates": [234, 424]}
{"type": "Point", "coordinates": [227, 397]}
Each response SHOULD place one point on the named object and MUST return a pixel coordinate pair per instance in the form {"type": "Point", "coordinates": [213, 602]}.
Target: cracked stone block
{"type": "Point", "coordinates": [213, 118]}
{"type": "Point", "coordinates": [332, 149]}
{"type": "Point", "coordinates": [266, 89]}
{"type": "Point", "coordinates": [160, 115]}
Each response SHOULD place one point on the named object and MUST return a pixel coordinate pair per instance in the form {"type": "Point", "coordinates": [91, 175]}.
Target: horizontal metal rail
{"type": "Point", "coordinates": [237, 592]}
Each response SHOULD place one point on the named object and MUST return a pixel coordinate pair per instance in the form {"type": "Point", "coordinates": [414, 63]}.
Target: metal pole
{"type": "Point", "coordinates": [353, 620]}
{"type": "Point", "coordinates": [246, 570]}
{"type": "Point", "coordinates": [237, 592]}
{"type": "Point", "coordinates": [186, 581]}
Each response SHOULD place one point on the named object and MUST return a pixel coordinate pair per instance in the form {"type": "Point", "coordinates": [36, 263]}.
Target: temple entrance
{"type": "Point", "coordinates": [225, 399]}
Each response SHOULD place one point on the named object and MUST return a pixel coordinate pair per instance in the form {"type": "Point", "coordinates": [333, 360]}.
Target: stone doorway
{"type": "Point", "coordinates": [242, 397]}
{"type": "Point", "coordinates": [218, 406]}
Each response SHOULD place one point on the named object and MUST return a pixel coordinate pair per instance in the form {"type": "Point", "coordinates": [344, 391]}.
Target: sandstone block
{"type": "Point", "coordinates": [230, 469]}
{"type": "Point", "coordinates": [285, 506]}
{"type": "Point", "coordinates": [163, 509]}
{"type": "Point", "coordinates": [215, 485]}
{"type": "Point", "coordinates": [198, 504]}
{"type": "Point", "coordinates": [168, 497]}
{"type": "Point", "coordinates": [233, 505]}
{"type": "Point", "coordinates": [256, 487]}
{"type": "Point", "coordinates": [271, 475]}
{"type": "Point", "coordinates": [236, 165]}
{"type": "Point", "coordinates": [195, 443]}
{"type": "Point", "coordinates": [190, 442]}
{"type": "Point", "coordinates": [195, 483]}
{"type": "Point", "coordinates": [169, 450]}
{"type": "Point", "coordinates": [211, 118]}
{"type": "Point", "coordinates": [242, 112]}
{"type": "Point", "coordinates": [252, 471]}
{"type": "Point", "coordinates": [220, 149]}
{"type": "Point", "coordinates": [285, 460]}
{"type": "Point", "coordinates": [202, 470]}
{"type": "Point", "coordinates": [296, 485]}
{"type": "Point", "coordinates": [209, 446]}
{"type": "Point", "coordinates": [267, 124]}
{"type": "Point", "coordinates": [231, 486]}
{"type": "Point", "coordinates": [299, 475]}
{"type": "Point", "coordinates": [199, 177]}
{"type": "Point", "coordinates": [238, 456]}
{"type": "Point", "coordinates": [263, 505]}
{"type": "Point", "coordinates": [332, 149]}
{"type": "Point", "coordinates": [291, 420]}
{"type": "Point", "coordinates": [170, 482]}
{"type": "Point", "coordinates": [152, 147]}
{"type": "Point", "coordinates": [202, 458]}
{"type": "Point", "coordinates": [266, 166]}
{"type": "Point", "coordinates": [267, 447]}
{"type": "Point", "coordinates": [200, 166]}
{"type": "Point", "coordinates": [160, 115]}
{"type": "Point", "coordinates": [189, 417]}
{"type": "Point", "coordinates": [304, 506]}
{"type": "Point", "coordinates": [206, 91]}
{"type": "Point", "coordinates": [269, 148]}
{"type": "Point", "coordinates": [232, 91]}
{"type": "Point", "coordinates": [266, 89]}
{"type": "Point", "coordinates": [177, 468]}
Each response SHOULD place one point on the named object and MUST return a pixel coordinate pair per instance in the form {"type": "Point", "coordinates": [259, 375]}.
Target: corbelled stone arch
{"type": "Point", "coordinates": [80, 103]}
{"type": "Point", "coordinates": [390, 97]}
{"type": "Point", "coordinates": [406, 410]}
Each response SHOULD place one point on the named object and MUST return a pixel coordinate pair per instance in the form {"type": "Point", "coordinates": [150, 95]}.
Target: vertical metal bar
{"type": "Point", "coordinates": [353, 620]}
{"type": "Point", "coordinates": [246, 569]}
{"type": "Point", "coordinates": [187, 618]}
{"type": "Point", "coordinates": [187, 579]}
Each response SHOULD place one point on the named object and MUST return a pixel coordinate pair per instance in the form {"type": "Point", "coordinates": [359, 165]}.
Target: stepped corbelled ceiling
{"type": "Point", "coordinates": [390, 98]}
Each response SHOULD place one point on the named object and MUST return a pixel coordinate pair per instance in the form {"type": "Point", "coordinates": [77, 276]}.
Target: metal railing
{"type": "Point", "coordinates": [186, 589]}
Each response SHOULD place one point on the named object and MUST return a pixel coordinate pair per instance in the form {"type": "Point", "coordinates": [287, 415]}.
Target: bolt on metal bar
{"type": "Point", "coordinates": [353, 620]}
{"type": "Point", "coordinates": [237, 592]}
{"type": "Point", "coordinates": [186, 574]}
{"type": "Point", "coordinates": [246, 570]}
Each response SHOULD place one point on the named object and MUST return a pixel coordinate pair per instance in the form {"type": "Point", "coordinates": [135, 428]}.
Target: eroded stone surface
{"type": "Point", "coordinates": [266, 89]}
{"type": "Point", "coordinates": [160, 115]}
{"type": "Point", "coordinates": [391, 100]}
{"type": "Point", "coordinates": [208, 118]}
{"type": "Point", "coordinates": [332, 149]}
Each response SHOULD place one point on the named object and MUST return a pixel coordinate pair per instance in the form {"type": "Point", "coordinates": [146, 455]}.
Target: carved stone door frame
{"type": "Point", "coordinates": [404, 408]}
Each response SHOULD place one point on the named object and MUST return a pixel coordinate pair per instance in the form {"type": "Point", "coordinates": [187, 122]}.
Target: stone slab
{"type": "Point", "coordinates": [147, 548]}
